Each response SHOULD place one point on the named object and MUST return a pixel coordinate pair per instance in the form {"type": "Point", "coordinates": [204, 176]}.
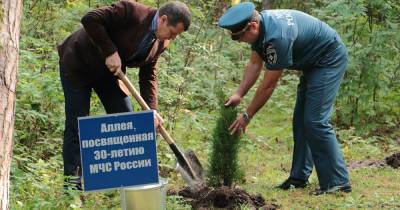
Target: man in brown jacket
{"type": "Point", "coordinates": [125, 34]}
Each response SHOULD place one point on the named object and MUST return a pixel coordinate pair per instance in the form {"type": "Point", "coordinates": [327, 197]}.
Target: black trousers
{"type": "Point", "coordinates": [77, 104]}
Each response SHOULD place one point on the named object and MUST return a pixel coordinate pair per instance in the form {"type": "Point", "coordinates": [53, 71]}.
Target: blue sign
{"type": "Point", "coordinates": [118, 150]}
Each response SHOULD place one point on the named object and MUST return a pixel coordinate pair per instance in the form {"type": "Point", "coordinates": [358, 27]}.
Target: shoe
{"type": "Point", "coordinates": [293, 183]}
{"type": "Point", "coordinates": [339, 188]}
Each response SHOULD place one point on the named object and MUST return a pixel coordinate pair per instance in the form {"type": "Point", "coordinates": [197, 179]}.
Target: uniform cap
{"type": "Point", "coordinates": [237, 17]}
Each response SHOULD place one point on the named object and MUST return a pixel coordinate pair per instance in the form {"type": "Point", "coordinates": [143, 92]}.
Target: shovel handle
{"type": "Point", "coordinates": [144, 105]}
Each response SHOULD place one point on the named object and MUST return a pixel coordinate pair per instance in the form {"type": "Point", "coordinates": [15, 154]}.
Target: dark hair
{"type": "Point", "coordinates": [255, 18]}
{"type": "Point", "coordinates": [177, 12]}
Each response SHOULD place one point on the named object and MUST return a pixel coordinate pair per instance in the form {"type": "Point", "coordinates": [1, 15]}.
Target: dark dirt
{"type": "Point", "coordinates": [222, 197]}
{"type": "Point", "coordinates": [393, 161]}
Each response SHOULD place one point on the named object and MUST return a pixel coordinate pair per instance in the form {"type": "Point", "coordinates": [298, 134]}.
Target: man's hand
{"type": "Point", "coordinates": [158, 120]}
{"type": "Point", "coordinates": [240, 123]}
{"type": "Point", "coordinates": [234, 100]}
{"type": "Point", "coordinates": [113, 63]}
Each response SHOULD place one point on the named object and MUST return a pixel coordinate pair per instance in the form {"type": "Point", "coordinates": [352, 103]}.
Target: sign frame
{"type": "Point", "coordinates": [123, 146]}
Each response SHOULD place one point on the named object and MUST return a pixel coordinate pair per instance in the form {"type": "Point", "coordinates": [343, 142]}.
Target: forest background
{"type": "Point", "coordinates": [366, 116]}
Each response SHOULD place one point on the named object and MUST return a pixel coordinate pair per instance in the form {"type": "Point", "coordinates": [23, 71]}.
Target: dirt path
{"type": "Point", "coordinates": [393, 161]}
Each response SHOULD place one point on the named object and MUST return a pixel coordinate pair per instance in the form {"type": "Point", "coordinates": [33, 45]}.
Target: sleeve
{"type": "Point", "coordinates": [98, 22]}
{"type": "Point", "coordinates": [148, 83]}
{"type": "Point", "coordinates": [279, 54]}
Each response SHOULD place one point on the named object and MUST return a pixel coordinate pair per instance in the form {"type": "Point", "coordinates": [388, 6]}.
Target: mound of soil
{"type": "Point", "coordinates": [222, 197]}
{"type": "Point", "coordinates": [393, 160]}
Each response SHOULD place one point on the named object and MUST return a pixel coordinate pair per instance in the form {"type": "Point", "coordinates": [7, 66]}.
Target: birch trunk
{"type": "Point", "coordinates": [10, 13]}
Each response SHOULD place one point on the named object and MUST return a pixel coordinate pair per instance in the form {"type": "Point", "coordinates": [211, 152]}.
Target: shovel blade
{"type": "Point", "coordinates": [195, 164]}
{"type": "Point", "coordinates": [189, 166]}
{"type": "Point", "coordinates": [195, 182]}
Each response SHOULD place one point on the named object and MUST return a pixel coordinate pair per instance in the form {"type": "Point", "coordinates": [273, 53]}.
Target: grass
{"type": "Point", "coordinates": [373, 188]}
{"type": "Point", "coordinates": [265, 156]}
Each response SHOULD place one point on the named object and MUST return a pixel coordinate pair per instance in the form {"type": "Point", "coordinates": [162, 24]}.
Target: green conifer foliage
{"type": "Point", "coordinates": [223, 167]}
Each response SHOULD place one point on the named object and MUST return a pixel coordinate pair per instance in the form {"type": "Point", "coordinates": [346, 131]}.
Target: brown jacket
{"type": "Point", "coordinates": [119, 27]}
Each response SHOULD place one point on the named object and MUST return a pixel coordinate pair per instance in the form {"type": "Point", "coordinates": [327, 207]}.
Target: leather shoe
{"type": "Point", "coordinates": [339, 188]}
{"type": "Point", "coordinates": [293, 183]}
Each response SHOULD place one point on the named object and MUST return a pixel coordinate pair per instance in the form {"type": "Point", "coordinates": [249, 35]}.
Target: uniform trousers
{"type": "Point", "coordinates": [315, 141]}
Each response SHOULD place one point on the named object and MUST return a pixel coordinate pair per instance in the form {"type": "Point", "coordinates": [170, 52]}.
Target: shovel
{"type": "Point", "coordinates": [188, 164]}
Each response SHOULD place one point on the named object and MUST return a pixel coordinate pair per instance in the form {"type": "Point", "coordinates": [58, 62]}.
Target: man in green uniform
{"type": "Point", "coordinates": [290, 39]}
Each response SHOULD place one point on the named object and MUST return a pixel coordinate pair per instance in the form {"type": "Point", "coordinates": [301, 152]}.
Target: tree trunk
{"type": "Point", "coordinates": [10, 13]}
{"type": "Point", "coordinates": [219, 9]}
{"type": "Point", "coordinates": [267, 4]}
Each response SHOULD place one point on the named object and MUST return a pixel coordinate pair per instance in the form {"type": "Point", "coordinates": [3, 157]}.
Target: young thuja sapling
{"type": "Point", "coordinates": [224, 168]}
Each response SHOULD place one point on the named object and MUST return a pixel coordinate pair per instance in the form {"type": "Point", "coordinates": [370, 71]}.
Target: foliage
{"type": "Point", "coordinates": [224, 169]}
{"type": "Point", "coordinates": [369, 96]}
{"type": "Point", "coordinates": [1, 10]}
{"type": "Point", "coordinates": [195, 64]}
{"type": "Point", "coordinates": [39, 102]}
